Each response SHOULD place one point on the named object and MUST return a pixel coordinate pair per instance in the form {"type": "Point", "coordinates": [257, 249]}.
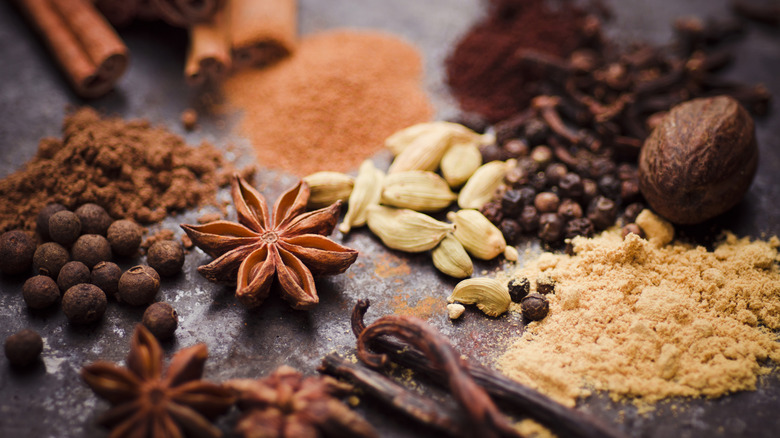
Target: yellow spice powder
{"type": "Point", "coordinates": [641, 320]}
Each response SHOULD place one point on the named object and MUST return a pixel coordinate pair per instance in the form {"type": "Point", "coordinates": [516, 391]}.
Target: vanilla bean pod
{"type": "Point", "coordinates": [559, 419]}
{"type": "Point", "coordinates": [482, 416]}
{"type": "Point", "coordinates": [424, 410]}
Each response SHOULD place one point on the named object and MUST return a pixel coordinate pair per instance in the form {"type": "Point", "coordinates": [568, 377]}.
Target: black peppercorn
{"type": "Point", "coordinates": [138, 285]}
{"type": "Point", "coordinates": [166, 257]}
{"type": "Point", "coordinates": [550, 227]}
{"type": "Point", "coordinates": [491, 152]}
{"type": "Point", "coordinates": [71, 274]}
{"type": "Point", "coordinates": [49, 258]}
{"type": "Point", "coordinates": [511, 203]}
{"type": "Point", "coordinates": [578, 227]}
{"type": "Point", "coordinates": [516, 148]}
{"type": "Point", "coordinates": [569, 210]}
{"type": "Point", "coordinates": [632, 211]}
{"type": "Point", "coordinates": [626, 171]}
{"type": "Point", "coordinates": [17, 249]}
{"type": "Point", "coordinates": [602, 212]}
{"type": "Point", "coordinates": [40, 292]}
{"type": "Point", "coordinates": [542, 155]}
{"type": "Point", "coordinates": [94, 219]}
{"type": "Point", "coordinates": [511, 230]}
{"type": "Point", "coordinates": [518, 288]}
{"type": "Point", "coordinates": [529, 219]}
{"type": "Point", "coordinates": [538, 181]}
{"type": "Point", "coordinates": [91, 249]}
{"type": "Point", "coordinates": [629, 190]}
{"type": "Point", "coordinates": [161, 319]}
{"type": "Point", "coordinates": [125, 237]}
{"type": "Point", "coordinates": [64, 227]}
{"type": "Point", "coordinates": [546, 202]}
{"type": "Point", "coordinates": [84, 303]}
{"type": "Point", "coordinates": [601, 166]}
{"type": "Point", "coordinates": [516, 176]}
{"type": "Point", "coordinates": [492, 211]}
{"type": "Point", "coordinates": [527, 195]}
{"type": "Point", "coordinates": [536, 131]}
{"type": "Point", "coordinates": [589, 190]}
{"type": "Point", "coordinates": [535, 307]}
{"type": "Point", "coordinates": [545, 285]}
{"type": "Point", "coordinates": [632, 228]}
{"type": "Point", "coordinates": [105, 275]}
{"type": "Point", "coordinates": [570, 186]}
{"type": "Point", "coordinates": [473, 121]}
{"type": "Point", "coordinates": [609, 186]}
{"type": "Point", "coordinates": [23, 348]}
{"type": "Point", "coordinates": [555, 172]}
{"type": "Point", "coordinates": [42, 221]}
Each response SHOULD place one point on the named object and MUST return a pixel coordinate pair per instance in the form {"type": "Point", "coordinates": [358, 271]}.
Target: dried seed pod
{"type": "Point", "coordinates": [406, 230]}
{"type": "Point", "coordinates": [421, 147]}
{"type": "Point", "coordinates": [452, 259]}
{"type": "Point", "coordinates": [327, 188]}
{"type": "Point", "coordinates": [481, 187]}
{"type": "Point", "coordinates": [418, 190]}
{"type": "Point", "coordinates": [366, 192]}
{"type": "Point", "coordinates": [459, 163]}
{"type": "Point", "coordinates": [700, 161]}
{"type": "Point", "coordinates": [490, 295]}
{"type": "Point", "coordinates": [478, 235]}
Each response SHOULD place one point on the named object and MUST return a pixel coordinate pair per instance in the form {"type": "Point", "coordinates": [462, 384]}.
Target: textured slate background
{"type": "Point", "coordinates": [49, 400]}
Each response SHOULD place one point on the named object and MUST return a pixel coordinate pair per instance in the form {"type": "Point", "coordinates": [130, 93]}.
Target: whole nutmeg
{"type": "Point", "coordinates": [138, 285]}
{"type": "Point", "coordinates": [699, 161]}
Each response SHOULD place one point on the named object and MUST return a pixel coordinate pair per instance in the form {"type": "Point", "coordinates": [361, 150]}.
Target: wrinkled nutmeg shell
{"type": "Point", "coordinates": [699, 161]}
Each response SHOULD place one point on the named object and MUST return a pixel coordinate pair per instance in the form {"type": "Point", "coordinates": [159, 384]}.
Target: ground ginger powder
{"type": "Point", "coordinates": [648, 322]}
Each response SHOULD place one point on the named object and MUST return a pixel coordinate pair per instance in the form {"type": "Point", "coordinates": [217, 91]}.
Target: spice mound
{"type": "Point", "coordinates": [331, 104]}
{"type": "Point", "coordinates": [130, 168]}
{"type": "Point", "coordinates": [646, 321]}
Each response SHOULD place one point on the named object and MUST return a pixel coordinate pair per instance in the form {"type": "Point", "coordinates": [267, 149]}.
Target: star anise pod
{"type": "Point", "coordinates": [289, 245]}
{"type": "Point", "coordinates": [287, 405]}
{"type": "Point", "coordinates": [148, 403]}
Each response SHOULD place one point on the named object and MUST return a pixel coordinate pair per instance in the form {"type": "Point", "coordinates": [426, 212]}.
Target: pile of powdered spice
{"type": "Point", "coordinates": [332, 103]}
{"type": "Point", "coordinates": [130, 168]}
{"type": "Point", "coordinates": [647, 321]}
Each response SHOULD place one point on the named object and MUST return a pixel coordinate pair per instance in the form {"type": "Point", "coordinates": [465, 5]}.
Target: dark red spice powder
{"type": "Point", "coordinates": [482, 71]}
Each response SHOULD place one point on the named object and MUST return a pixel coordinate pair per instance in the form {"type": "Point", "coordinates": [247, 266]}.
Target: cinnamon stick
{"type": "Point", "coordinates": [208, 55]}
{"type": "Point", "coordinates": [185, 13]}
{"type": "Point", "coordinates": [85, 46]}
{"type": "Point", "coordinates": [262, 32]}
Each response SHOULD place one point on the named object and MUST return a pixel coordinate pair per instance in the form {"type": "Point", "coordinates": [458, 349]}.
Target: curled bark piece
{"type": "Point", "coordinates": [262, 32]}
{"type": "Point", "coordinates": [208, 56]}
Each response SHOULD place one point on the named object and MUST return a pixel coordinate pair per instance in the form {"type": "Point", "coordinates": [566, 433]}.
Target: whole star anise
{"type": "Point", "coordinates": [147, 403]}
{"type": "Point", "coordinates": [289, 245]}
{"type": "Point", "coordinates": [285, 404]}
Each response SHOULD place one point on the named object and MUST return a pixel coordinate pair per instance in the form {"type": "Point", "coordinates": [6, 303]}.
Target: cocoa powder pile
{"type": "Point", "coordinates": [332, 104]}
{"type": "Point", "coordinates": [130, 168]}
{"type": "Point", "coordinates": [482, 71]}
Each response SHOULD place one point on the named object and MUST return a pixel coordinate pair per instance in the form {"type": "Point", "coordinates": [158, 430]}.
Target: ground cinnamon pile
{"type": "Point", "coordinates": [483, 71]}
{"type": "Point", "coordinates": [331, 104]}
{"type": "Point", "coordinates": [130, 168]}
{"type": "Point", "coordinates": [648, 322]}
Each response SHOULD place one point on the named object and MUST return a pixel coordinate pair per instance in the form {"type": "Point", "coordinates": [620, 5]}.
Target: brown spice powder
{"type": "Point", "coordinates": [647, 321]}
{"type": "Point", "coordinates": [130, 168]}
{"type": "Point", "coordinates": [331, 104]}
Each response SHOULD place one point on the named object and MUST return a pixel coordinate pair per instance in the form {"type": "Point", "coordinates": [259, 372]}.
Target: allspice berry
{"type": "Point", "coordinates": [17, 249]}
{"type": "Point", "coordinates": [64, 227]}
{"type": "Point", "coordinates": [161, 319]}
{"type": "Point", "coordinates": [125, 237]}
{"type": "Point", "coordinates": [699, 161]}
{"type": "Point", "coordinates": [40, 292]}
{"type": "Point", "coordinates": [42, 221]}
{"type": "Point", "coordinates": [105, 275]}
{"type": "Point", "coordinates": [535, 307]}
{"type": "Point", "coordinates": [49, 258]}
{"type": "Point", "coordinates": [94, 219]}
{"type": "Point", "coordinates": [166, 257]}
{"type": "Point", "coordinates": [138, 285]}
{"type": "Point", "coordinates": [23, 348]}
{"type": "Point", "coordinates": [84, 303]}
{"type": "Point", "coordinates": [71, 274]}
{"type": "Point", "coordinates": [91, 249]}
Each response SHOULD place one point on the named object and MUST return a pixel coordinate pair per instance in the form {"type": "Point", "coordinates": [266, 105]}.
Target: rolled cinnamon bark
{"type": "Point", "coordinates": [185, 13]}
{"type": "Point", "coordinates": [208, 55]}
{"type": "Point", "coordinates": [262, 31]}
{"type": "Point", "coordinates": [85, 46]}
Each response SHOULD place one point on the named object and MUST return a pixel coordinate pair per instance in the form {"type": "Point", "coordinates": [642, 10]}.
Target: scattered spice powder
{"type": "Point", "coordinates": [331, 104]}
{"type": "Point", "coordinates": [482, 71]}
{"type": "Point", "coordinates": [649, 322]}
{"type": "Point", "coordinates": [130, 168]}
